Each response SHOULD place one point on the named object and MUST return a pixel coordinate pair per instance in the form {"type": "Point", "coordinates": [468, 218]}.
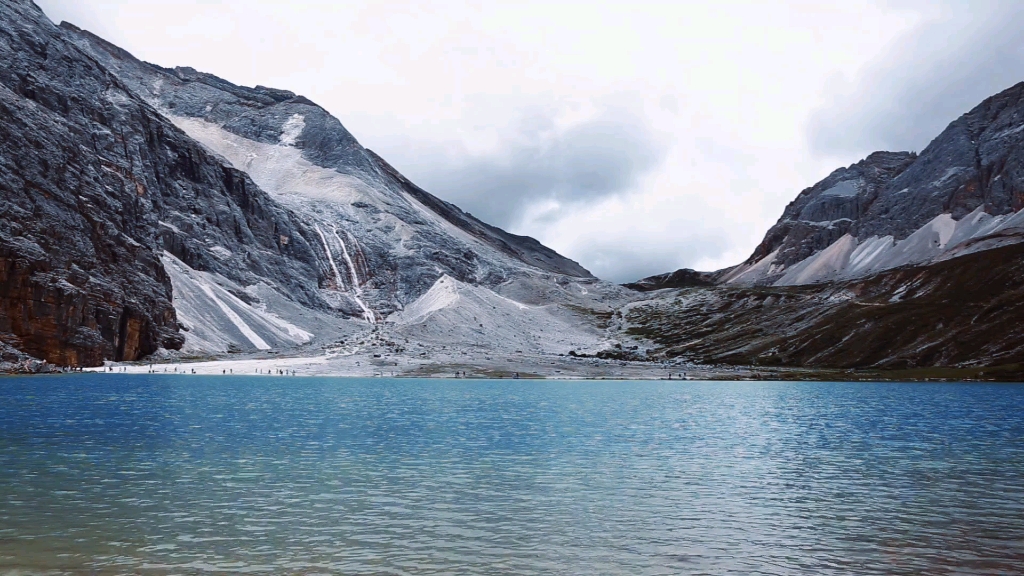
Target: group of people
{"type": "Point", "coordinates": [174, 370]}
{"type": "Point", "coordinates": [152, 370]}
{"type": "Point", "coordinates": [277, 371]}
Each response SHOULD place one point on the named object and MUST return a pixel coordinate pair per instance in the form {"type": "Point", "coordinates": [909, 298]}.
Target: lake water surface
{"type": "Point", "coordinates": [161, 474]}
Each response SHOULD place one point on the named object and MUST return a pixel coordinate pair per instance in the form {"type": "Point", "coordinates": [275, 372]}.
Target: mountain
{"type": "Point", "coordinates": [965, 313]}
{"type": "Point", "coordinates": [216, 113]}
{"type": "Point", "coordinates": [683, 278]}
{"type": "Point", "coordinates": [899, 261]}
{"type": "Point", "coordinates": [167, 215]}
{"type": "Point", "coordinates": [145, 210]}
{"type": "Point", "coordinates": [962, 194]}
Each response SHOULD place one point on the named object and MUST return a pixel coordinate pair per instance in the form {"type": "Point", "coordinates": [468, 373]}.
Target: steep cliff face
{"type": "Point", "coordinates": [95, 185]}
{"type": "Point", "coordinates": [825, 212]}
{"type": "Point", "coordinates": [75, 285]}
{"type": "Point", "coordinates": [379, 241]}
{"type": "Point", "coordinates": [277, 117]}
{"type": "Point", "coordinates": [963, 193]}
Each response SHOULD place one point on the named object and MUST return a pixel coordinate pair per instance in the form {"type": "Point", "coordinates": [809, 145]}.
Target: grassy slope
{"type": "Point", "coordinates": [965, 314]}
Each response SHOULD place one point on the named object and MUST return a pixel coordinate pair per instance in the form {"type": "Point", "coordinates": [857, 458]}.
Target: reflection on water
{"type": "Point", "coordinates": [114, 474]}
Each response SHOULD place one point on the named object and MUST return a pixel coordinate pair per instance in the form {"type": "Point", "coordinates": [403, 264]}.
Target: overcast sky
{"type": "Point", "coordinates": [634, 137]}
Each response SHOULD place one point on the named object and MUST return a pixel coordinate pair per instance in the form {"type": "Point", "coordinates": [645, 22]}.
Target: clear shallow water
{"type": "Point", "coordinates": [129, 474]}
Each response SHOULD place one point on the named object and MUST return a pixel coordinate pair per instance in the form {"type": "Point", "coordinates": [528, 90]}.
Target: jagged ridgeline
{"type": "Point", "coordinates": [962, 194]}
{"type": "Point", "coordinates": [145, 208]}
{"type": "Point", "coordinates": [898, 261]}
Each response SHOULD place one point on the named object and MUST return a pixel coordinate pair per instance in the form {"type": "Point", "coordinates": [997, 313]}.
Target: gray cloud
{"type": "Point", "coordinates": [966, 52]}
{"type": "Point", "coordinates": [538, 162]}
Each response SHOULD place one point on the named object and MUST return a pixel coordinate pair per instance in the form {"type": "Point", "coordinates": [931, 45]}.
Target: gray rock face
{"type": "Point", "coordinates": [383, 241]}
{"type": "Point", "coordinates": [94, 183]}
{"type": "Point", "coordinates": [262, 115]}
{"type": "Point", "coordinates": [111, 169]}
{"type": "Point", "coordinates": [975, 168]}
{"type": "Point", "coordinates": [823, 213]}
{"type": "Point", "coordinates": [257, 114]}
{"type": "Point", "coordinates": [978, 160]}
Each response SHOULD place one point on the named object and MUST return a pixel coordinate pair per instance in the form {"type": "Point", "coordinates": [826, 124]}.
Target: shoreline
{"type": "Point", "coordinates": [487, 367]}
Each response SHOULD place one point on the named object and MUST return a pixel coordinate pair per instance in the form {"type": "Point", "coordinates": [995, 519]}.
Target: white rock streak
{"type": "Point", "coordinates": [356, 290]}
{"type": "Point", "coordinates": [291, 130]}
{"type": "Point", "coordinates": [846, 258]}
{"type": "Point", "coordinates": [216, 319]}
{"type": "Point", "coordinates": [235, 319]}
{"type": "Point", "coordinates": [330, 258]}
{"type": "Point", "coordinates": [348, 261]}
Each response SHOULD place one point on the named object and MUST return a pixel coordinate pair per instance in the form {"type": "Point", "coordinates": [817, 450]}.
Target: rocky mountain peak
{"type": "Point", "coordinates": [823, 213]}
{"type": "Point", "coordinates": [896, 208]}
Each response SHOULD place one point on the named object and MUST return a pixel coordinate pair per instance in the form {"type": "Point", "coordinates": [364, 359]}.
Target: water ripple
{"type": "Point", "coordinates": [161, 475]}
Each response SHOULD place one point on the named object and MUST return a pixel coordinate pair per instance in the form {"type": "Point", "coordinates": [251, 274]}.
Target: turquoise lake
{"type": "Point", "coordinates": [113, 474]}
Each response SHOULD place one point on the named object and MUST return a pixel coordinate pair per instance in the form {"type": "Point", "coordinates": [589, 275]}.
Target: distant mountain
{"type": "Point", "coordinates": [963, 193]}
{"type": "Point", "coordinates": [955, 318]}
{"type": "Point", "coordinates": [145, 208]}
{"type": "Point", "coordinates": [684, 278]}
{"type": "Point", "coordinates": [899, 261]}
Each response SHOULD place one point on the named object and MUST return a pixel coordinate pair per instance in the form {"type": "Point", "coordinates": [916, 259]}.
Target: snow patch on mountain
{"type": "Point", "coordinates": [846, 258]}
{"type": "Point", "coordinates": [291, 129]}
